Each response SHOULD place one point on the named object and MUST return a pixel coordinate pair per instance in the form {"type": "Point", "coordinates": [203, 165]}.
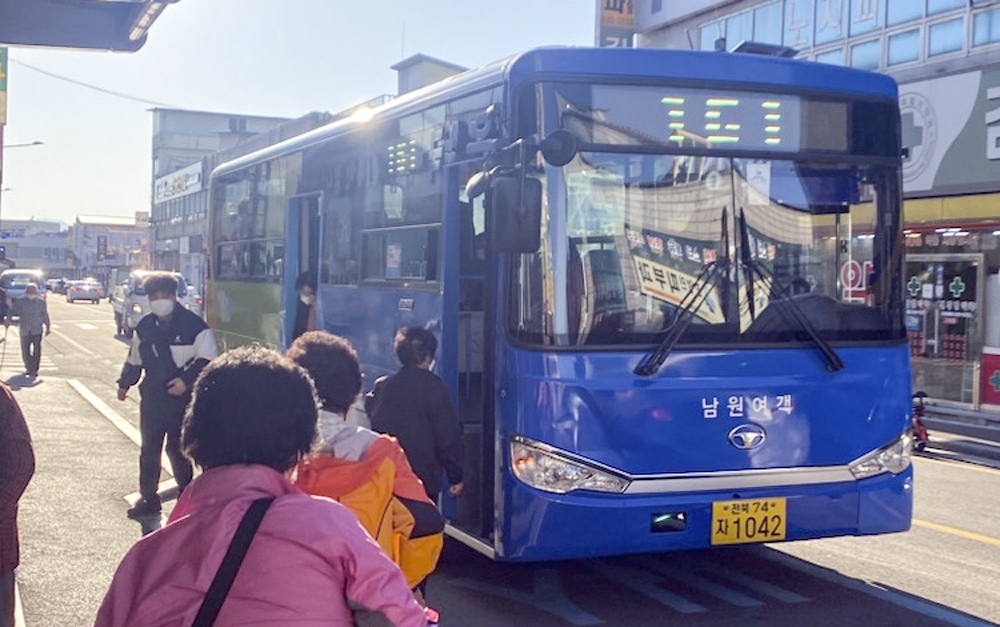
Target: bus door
{"type": "Point", "coordinates": [303, 230]}
{"type": "Point", "coordinates": [466, 345]}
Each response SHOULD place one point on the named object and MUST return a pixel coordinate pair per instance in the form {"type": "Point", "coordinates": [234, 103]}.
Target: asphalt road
{"type": "Point", "coordinates": [944, 571]}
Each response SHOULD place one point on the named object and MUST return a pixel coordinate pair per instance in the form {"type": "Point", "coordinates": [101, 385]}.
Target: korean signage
{"type": "Point", "coordinates": [951, 129]}
{"type": "Point", "coordinates": [102, 247]}
{"type": "Point", "coordinates": [667, 268]}
{"type": "Point", "coordinates": [180, 183]}
{"type": "Point", "coordinates": [615, 23]}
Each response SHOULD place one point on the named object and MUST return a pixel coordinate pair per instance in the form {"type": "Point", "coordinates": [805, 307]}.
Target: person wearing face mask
{"type": "Point", "coordinates": [170, 347]}
{"type": "Point", "coordinates": [305, 309]}
{"type": "Point", "coordinates": [34, 314]}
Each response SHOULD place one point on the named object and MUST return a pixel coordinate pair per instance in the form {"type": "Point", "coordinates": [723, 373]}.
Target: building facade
{"type": "Point", "coordinates": [36, 244]}
{"type": "Point", "coordinates": [108, 247]}
{"type": "Point", "coordinates": [945, 55]}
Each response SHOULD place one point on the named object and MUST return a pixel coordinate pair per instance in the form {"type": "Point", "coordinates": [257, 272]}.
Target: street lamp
{"type": "Point", "coordinates": [34, 143]}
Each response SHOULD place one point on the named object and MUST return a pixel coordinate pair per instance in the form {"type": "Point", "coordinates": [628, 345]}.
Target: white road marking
{"type": "Point", "coordinates": [80, 347]}
{"type": "Point", "coordinates": [86, 326]}
{"type": "Point", "coordinates": [920, 606]}
{"type": "Point", "coordinates": [115, 418]}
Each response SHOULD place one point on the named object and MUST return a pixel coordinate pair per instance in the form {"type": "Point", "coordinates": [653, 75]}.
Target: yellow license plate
{"type": "Point", "coordinates": [748, 520]}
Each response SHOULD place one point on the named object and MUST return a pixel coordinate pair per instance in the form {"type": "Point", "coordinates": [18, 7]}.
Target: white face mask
{"type": "Point", "coordinates": [31, 296]}
{"type": "Point", "coordinates": [162, 307]}
{"type": "Point", "coordinates": [307, 300]}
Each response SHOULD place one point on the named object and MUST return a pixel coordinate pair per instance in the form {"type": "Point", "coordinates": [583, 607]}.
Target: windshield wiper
{"type": "Point", "coordinates": [692, 302]}
{"type": "Point", "coordinates": [788, 307]}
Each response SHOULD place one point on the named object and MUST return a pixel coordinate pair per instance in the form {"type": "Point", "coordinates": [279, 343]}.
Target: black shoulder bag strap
{"type": "Point", "coordinates": [224, 578]}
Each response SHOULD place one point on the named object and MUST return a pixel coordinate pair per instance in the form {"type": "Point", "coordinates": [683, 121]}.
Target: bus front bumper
{"type": "Point", "coordinates": [538, 525]}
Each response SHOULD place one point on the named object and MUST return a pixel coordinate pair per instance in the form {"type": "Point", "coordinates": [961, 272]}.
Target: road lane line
{"type": "Point", "coordinates": [115, 418]}
{"type": "Point", "coordinates": [86, 326]}
{"type": "Point", "coordinates": [961, 533]}
{"type": "Point", "coordinates": [920, 606]}
{"type": "Point", "coordinates": [74, 343]}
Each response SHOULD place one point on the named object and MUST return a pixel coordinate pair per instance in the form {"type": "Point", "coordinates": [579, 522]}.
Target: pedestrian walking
{"type": "Point", "coordinates": [413, 405]}
{"type": "Point", "coordinates": [17, 465]}
{"type": "Point", "coordinates": [252, 417]}
{"type": "Point", "coordinates": [34, 322]}
{"type": "Point", "coordinates": [171, 345]}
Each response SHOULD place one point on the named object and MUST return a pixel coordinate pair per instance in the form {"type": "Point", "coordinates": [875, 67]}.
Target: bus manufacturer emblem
{"type": "Point", "coordinates": [747, 437]}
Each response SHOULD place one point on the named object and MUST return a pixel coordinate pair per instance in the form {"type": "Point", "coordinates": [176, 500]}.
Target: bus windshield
{"type": "Point", "coordinates": [628, 235]}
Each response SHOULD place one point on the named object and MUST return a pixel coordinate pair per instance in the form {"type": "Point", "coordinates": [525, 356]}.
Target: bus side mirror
{"type": "Point", "coordinates": [514, 204]}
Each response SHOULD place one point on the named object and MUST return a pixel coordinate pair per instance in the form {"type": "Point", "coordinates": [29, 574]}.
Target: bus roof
{"type": "Point", "coordinates": [732, 70]}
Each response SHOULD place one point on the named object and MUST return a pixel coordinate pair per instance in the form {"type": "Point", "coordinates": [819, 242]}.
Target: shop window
{"type": "Point", "coordinates": [986, 28]}
{"type": "Point", "coordinates": [899, 11]}
{"type": "Point", "coordinates": [865, 56]}
{"type": "Point", "coordinates": [945, 37]}
{"type": "Point", "coordinates": [904, 47]}
{"type": "Point", "coordinates": [830, 24]}
{"type": "Point", "coordinates": [832, 57]}
{"type": "Point", "coordinates": [940, 6]}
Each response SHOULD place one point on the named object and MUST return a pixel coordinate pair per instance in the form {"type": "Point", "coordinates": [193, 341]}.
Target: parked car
{"type": "Point", "coordinates": [88, 289]}
{"type": "Point", "coordinates": [135, 301]}
{"type": "Point", "coordinates": [15, 281]}
{"type": "Point", "coordinates": [117, 300]}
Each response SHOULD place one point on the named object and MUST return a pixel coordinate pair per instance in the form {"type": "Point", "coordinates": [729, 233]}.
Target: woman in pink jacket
{"type": "Point", "coordinates": [310, 563]}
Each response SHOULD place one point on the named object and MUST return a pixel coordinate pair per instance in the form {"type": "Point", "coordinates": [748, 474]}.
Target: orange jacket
{"type": "Point", "coordinates": [369, 488]}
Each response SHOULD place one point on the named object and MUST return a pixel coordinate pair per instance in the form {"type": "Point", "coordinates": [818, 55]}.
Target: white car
{"type": "Point", "coordinates": [84, 290]}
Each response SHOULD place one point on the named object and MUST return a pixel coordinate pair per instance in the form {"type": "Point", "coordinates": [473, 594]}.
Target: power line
{"type": "Point", "coordinates": [109, 92]}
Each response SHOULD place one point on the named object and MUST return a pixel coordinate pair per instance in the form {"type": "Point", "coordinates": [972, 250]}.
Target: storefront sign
{"type": "Point", "coordinates": [951, 128]}
{"type": "Point", "coordinates": [180, 183]}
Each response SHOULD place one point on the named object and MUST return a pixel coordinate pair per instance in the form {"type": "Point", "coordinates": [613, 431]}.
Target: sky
{"type": "Point", "coordinates": [253, 57]}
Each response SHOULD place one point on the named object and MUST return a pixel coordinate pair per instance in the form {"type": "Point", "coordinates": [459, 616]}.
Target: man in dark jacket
{"type": "Point", "coordinates": [172, 345]}
{"type": "Point", "coordinates": [17, 465]}
{"type": "Point", "coordinates": [413, 405]}
{"type": "Point", "coordinates": [34, 314]}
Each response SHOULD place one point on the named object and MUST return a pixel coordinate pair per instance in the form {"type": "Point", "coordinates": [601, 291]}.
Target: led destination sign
{"type": "Point", "coordinates": [739, 121]}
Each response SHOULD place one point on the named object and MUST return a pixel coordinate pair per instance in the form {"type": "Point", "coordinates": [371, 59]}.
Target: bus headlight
{"type": "Point", "coordinates": [542, 467]}
{"type": "Point", "coordinates": [893, 458]}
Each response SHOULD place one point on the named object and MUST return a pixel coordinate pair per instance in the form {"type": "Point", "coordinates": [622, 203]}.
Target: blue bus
{"type": "Point", "coordinates": [643, 267]}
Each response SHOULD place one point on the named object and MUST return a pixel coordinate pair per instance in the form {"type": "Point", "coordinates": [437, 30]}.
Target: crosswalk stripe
{"type": "Point", "coordinates": [755, 584]}
{"type": "Point", "coordinates": [86, 326]}
{"type": "Point", "coordinates": [728, 595]}
{"type": "Point", "coordinates": [645, 583]}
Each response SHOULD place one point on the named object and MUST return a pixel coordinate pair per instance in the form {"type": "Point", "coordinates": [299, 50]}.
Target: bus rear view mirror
{"type": "Point", "coordinates": [515, 209]}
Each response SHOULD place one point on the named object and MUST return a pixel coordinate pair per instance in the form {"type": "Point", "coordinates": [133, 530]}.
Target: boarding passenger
{"type": "Point", "coordinates": [172, 345]}
{"type": "Point", "coordinates": [305, 307]}
{"type": "Point", "coordinates": [413, 405]}
{"type": "Point", "coordinates": [252, 418]}
{"type": "Point", "coordinates": [365, 471]}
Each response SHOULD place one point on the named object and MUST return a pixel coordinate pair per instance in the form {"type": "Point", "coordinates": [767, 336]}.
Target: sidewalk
{"type": "Point", "coordinates": [72, 521]}
{"type": "Point", "coordinates": [963, 432]}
